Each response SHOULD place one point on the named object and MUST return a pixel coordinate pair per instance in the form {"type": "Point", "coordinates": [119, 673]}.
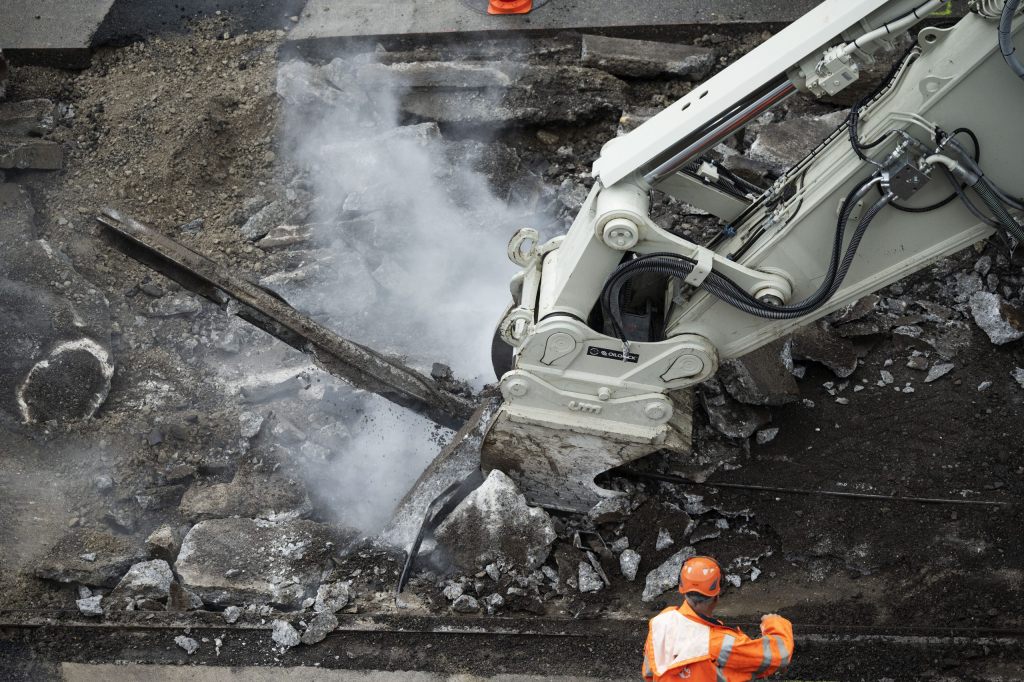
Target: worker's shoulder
{"type": "Point", "coordinates": [666, 614]}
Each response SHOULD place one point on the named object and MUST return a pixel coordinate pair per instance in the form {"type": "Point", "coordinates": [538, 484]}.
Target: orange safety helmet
{"type": "Point", "coordinates": [701, 574]}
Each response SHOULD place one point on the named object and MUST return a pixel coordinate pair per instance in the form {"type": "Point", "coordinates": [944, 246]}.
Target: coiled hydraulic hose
{"type": "Point", "coordinates": [720, 286]}
{"type": "Point", "coordinates": [991, 199]}
{"type": "Point", "coordinates": [1006, 45]}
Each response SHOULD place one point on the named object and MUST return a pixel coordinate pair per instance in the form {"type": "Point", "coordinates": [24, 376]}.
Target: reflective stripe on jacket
{"type": "Point", "coordinates": [683, 645]}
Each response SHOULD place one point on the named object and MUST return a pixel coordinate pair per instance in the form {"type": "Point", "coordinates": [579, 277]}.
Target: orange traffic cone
{"type": "Point", "coordinates": [509, 6]}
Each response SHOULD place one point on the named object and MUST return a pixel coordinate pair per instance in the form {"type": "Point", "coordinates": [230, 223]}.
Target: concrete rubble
{"type": "Point", "coordinates": [666, 576]}
{"type": "Point", "coordinates": [332, 597]}
{"type": "Point", "coordinates": [629, 563]}
{"type": "Point", "coordinates": [30, 117]}
{"type": "Point", "coordinates": [285, 634]}
{"type": "Point", "coordinates": [187, 644]}
{"type": "Point", "coordinates": [91, 606]}
{"type": "Point", "coordinates": [494, 522]}
{"type": "Point", "coordinates": [89, 557]}
{"type": "Point", "coordinates": [319, 627]}
{"type": "Point", "coordinates": [817, 343]}
{"type": "Point", "coordinates": [728, 416]}
{"type": "Point", "coordinates": [1001, 321]}
{"type": "Point", "coordinates": [760, 377]}
{"type": "Point", "coordinates": [164, 543]}
{"type": "Point", "coordinates": [30, 153]}
{"type": "Point", "coordinates": [145, 581]}
{"type": "Point", "coordinates": [251, 561]}
{"type": "Point", "coordinates": [259, 489]}
{"type": "Point", "coordinates": [781, 145]}
{"type": "Point", "coordinates": [646, 59]}
{"type": "Point", "coordinates": [497, 93]}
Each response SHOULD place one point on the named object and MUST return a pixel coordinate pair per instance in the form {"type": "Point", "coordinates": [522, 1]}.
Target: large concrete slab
{"type": "Point", "coordinates": [78, 672]}
{"type": "Point", "coordinates": [372, 19]}
{"type": "Point", "coordinates": [59, 29]}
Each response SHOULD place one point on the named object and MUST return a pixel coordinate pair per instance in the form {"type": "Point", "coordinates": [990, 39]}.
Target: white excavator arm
{"type": "Point", "coordinates": [611, 322]}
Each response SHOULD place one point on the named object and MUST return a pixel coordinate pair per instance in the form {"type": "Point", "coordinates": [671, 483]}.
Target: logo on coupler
{"type": "Point", "coordinates": [610, 354]}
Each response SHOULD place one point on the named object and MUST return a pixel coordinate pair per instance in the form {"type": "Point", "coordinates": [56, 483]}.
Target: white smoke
{"type": "Point", "coordinates": [419, 266]}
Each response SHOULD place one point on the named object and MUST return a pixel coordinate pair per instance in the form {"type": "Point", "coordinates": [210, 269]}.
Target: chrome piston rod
{"type": "Point", "coordinates": [720, 132]}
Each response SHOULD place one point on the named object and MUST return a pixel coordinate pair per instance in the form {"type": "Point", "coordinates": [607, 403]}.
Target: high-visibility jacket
{"type": "Point", "coordinates": [682, 644]}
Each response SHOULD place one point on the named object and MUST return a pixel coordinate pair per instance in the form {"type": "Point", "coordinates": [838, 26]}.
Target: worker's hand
{"type": "Point", "coordinates": [769, 615]}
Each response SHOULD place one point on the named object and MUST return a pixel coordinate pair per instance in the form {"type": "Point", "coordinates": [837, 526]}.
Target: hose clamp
{"type": "Point", "coordinates": [705, 263]}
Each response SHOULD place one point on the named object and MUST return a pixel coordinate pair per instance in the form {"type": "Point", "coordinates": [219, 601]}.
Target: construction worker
{"type": "Point", "coordinates": [687, 643]}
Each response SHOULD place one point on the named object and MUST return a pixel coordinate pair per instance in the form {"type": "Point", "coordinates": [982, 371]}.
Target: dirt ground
{"type": "Point", "coordinates": [183, 128]}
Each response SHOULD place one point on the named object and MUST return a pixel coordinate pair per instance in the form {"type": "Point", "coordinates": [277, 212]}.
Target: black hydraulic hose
{"type": "Point", "coordinates": [752, 306]}
{"type": "Point", "coordinates": [656, 263]}
{"type": "Point", "coordinates": [973, 165]}
{"type": "Point", "coordinates": [1006, 45]}
{"type": "Point", "coordinates": [966, 200]}
{"type": "Point", "coordinates": [725, 289]}
{"type": "Point", "coordinates": [988, 195]}
{"type": "Point", "coordinates": [853, 120]}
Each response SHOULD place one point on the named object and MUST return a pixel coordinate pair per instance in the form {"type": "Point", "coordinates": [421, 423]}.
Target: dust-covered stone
{"type": "Point", "coordinates": [760, 377]}
{"type": "Point", "coordinates": [332, 597]}
{"type": "Point", "coordinates": [89, 557]}
{"type": "Point", "coordinates": [666, 576]}
{"type": "Point", "coordinates": [646, 59]}
{"type": "Point", "coordinates": [588, 579]}
{"type": "Point", "coordinates": [816, 342]}
{"type": "Point", "coordinates": [145, 580]}
{"type": "Point", "coordinates": [164, 543]}
{"type": "Point", "coordinates": [466, 604]}
{"type": "Point", "coordinates": [249, 561]}
{"type": "Point", "coordinates": [33, 117]}
{"type": "Point", "coordinates": [319, 627]}
{"type": "Point", "coordinates": [189, 645]}
{"type": "Point", "coordinates": [90, 606]}
{"type": "Point", "coordinates": [495, 521]}
{"type": "Point", "coordinates": [629, 564]}
{"type": "Point", "coordinates": [1001, 321]}
{"type": "Point", "coordinates": [283, 633]}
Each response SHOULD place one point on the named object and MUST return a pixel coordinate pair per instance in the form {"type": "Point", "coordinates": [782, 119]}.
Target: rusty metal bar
{"type": "Point", "coordinates": [362, 367]}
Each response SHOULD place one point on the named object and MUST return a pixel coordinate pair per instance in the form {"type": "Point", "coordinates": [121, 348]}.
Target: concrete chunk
{"type": "Point", "coordinates": [30, 153]}
{"type": "Point", "coordinates": [666, 576]}
{"type": "Point", "coordinates": [781, 145]}
{"type": "Point", "coordinates": [760, 378]}
{"type": "Point", "coordinates": [1002, 322]}
{"type": "Point", "coordinates": [816, 342]}
{"type": "Point", "coordinates": [164, 543]}
{"type": "Point", "coordinates": [646, 59]}
{"type": "Point", "coordinates": [89, 557]}
{"type": "Point", "coordinates": [52, 31]}
{"type": "Point", "coordinates": [144, 580]}
{"type": "Point", "coordinates": [28, 117]}
{"type": "Point", "coordinates": [499, 93]}
{"type": "Point", "coordinates": [247, 561]}
{"type": "Point", "coordinates": [495, 521]}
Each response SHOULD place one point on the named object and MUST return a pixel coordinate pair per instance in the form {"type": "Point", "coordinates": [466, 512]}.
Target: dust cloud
{"type": "Point", "coordinates": [419, 268]}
